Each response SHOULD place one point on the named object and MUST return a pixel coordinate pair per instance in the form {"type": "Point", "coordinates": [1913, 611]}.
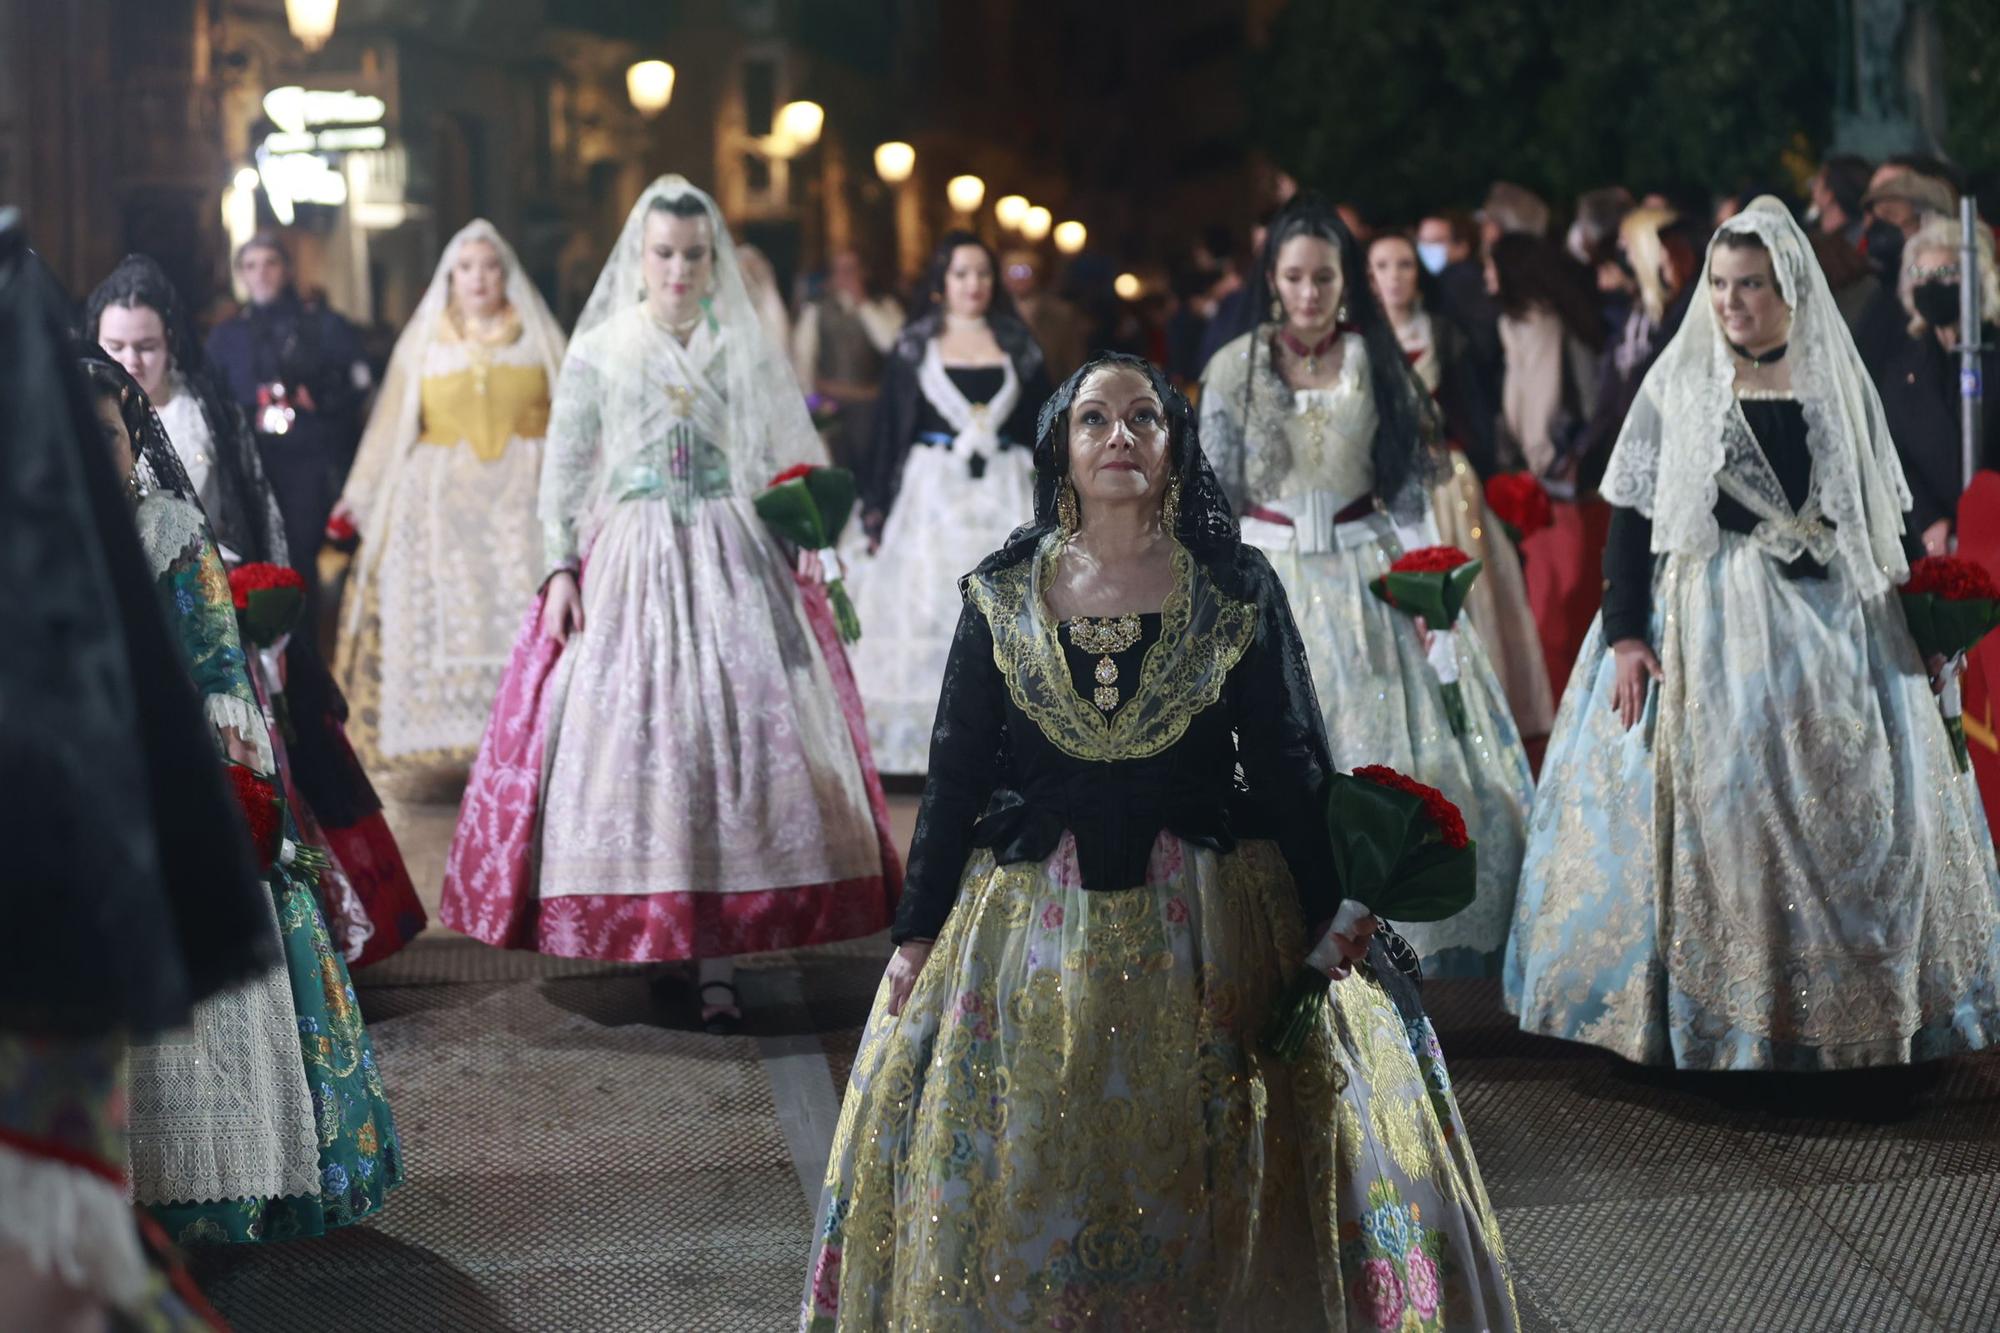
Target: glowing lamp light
{"type": "Point", "coordinates": [894, 161]}
{"type": "Point", "coordinates": [1128, 286]}
{"type": "Point", "coordinates": [965, 192]}
{"type": "Point", "coordinates": [1009, 209]}
{"type": "Point", "coordinates": [801, 122]}
{"type": "Point", "coordinates": [311, 21]}
{"type": "Point", "coordinates": [1035, 223]}
{"type": "Point", "coordinates": [650, 85]}
{"type": "Point", "coordinates": [1070, 237]}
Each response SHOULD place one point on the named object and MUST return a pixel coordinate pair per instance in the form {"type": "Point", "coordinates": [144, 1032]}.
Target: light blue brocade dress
{"type": "Point", "coordinates": [1780, 867]}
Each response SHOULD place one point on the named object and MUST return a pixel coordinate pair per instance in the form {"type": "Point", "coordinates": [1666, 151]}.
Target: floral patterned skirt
{"type": "Point", "coordinates": [1072, 1125]}
{"type": "Point", "coordinates": [360, 1157]}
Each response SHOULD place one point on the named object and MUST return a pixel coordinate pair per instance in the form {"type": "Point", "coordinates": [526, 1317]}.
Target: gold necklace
{"type": "Point", "coordinates": [1105, 635]}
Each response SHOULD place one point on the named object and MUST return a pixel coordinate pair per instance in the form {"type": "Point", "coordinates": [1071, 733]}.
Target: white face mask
{"type": "Point", "coordinates": [1433, 255]}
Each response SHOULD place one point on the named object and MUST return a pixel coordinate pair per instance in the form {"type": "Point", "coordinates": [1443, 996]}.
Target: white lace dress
{"type": "Point", "coordinates": [1382, 700]}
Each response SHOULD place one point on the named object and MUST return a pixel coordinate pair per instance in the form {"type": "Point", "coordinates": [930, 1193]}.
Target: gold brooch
{"type": "Point", "coordinates": [1105, 635]}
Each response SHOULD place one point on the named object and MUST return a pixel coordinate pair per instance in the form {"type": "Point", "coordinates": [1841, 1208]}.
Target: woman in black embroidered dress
{"type": "Point", "coordinates": [1060, 1113]}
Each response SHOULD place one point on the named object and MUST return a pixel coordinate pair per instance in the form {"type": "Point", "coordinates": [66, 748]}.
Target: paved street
{"type": "Point", "coordinates": [583, 1158]}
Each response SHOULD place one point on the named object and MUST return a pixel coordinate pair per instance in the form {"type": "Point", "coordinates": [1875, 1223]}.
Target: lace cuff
{"type": "Point", "coordinates": [226, 710]}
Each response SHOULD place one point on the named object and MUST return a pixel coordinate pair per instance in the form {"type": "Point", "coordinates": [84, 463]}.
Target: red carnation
{"type": "Point", "coordinates": [792, 473]}
{"type": "Point", "coordinates": [1952, 578]}
{"type": "Point", "coordinates": [258, 800]}
{"type": "Point", "coordinates": [1518, 500]}
{"type": "Point", "coordinates": [259, 577]}
{"type": "Point", "coordinates": [1450, 823]}
{"type": "Point", "coordinates": [1430, 560]}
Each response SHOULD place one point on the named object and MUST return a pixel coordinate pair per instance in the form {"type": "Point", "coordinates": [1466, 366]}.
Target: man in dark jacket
{"type": "Point", "coordinates": [299, 371]}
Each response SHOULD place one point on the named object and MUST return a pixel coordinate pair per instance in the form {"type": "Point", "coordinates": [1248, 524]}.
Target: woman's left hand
{"type": "Point", "coordinates": [1937, 664]}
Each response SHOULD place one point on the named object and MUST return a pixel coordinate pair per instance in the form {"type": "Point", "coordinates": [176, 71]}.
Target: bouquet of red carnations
{"type": "Point", "coordinates": [1519, 504]}
{"type": "Point", "coordinates": [1432, 582]}
{"type": "Point", "coordinates": [1951, 604]}
{"type": "Point", "coordinates": [808, 506]}
{"type": "Point", "coordinates": [264, 816]}
{"type": "Point", "coordinates": [269, 600]}
{"type": "Point", "coordinates": [1402, 853]}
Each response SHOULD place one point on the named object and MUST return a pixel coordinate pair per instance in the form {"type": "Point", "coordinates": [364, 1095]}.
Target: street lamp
{"type": "Point", "coordinates": [311, 21]}
{"type": "Point", "coordinates": [1070, 237]}
{"type": "Point", "coordinates": [1035, 223]}
{"type": "Point", "coordinates": [965, 192]}
{"type": "Point", "coordinates": [894, 161]}
{"type": "Point", "coordinates": [801, 122]}
{"type": "Point", "coordinates": [1128, 286]}
{"type": "Point", "coordinates": [650, 85]}
{"type": "Point", "coordinates": [1009, 209]}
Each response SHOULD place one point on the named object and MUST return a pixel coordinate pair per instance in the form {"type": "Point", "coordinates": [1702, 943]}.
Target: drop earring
{"type": "Point", "coordinates": [1277, 311]}
{"type": "Point", "coordinates": [1067, 517]}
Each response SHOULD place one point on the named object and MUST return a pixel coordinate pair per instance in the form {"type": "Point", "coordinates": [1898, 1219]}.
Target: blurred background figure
{"type": "Point", "coordinates": [1062, 330]}
{"type": "Point", "coordinates": [1836, 191]}
{"type": "Point", "coordinates": [838, 348]}
{"type": "Point", "coordinates": [298, 369]}
{"type": "Point", "coordinates": [1918, 379]}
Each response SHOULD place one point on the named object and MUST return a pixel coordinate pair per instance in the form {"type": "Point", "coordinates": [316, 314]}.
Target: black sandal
{"type": "Point", "coordinates": [720, 1020]}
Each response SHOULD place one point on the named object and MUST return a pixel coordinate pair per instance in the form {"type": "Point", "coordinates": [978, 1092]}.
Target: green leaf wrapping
{"type": "Point", "coordinates": [1943, 627]}
{"type": "Point", "coordinates": [1389, 858]}
{"type": "Point", "coordinates": [1436, 595]}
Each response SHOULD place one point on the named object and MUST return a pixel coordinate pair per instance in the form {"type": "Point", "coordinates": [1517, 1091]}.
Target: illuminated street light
{"type": "Point", "coordinates": [1035, 223]}
{"type": "Point", "coordinates": [1009, 209]}
{"type": "Point", "coordinates": [801, 123]}
{"type": "Point", "coordinates": [965, 192]}
{"type": "Point", "coordinates": [650, 85]}
{"type": "Point", "coordinates": [311, 21]}
{"type": "Point", "coordinates": [1128, 286]}
{"type": "Point", "coordinates": [1070, 237]}
{"type": "Point", "coordinates": [894, 161]}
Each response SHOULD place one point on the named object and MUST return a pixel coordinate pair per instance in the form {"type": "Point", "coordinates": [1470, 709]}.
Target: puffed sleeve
{"type": "Point", "coordinates": [967, 742]}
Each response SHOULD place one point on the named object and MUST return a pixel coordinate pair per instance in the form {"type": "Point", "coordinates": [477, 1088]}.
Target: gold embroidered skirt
{"type": "Point", "coordinates": [1073, 1125]}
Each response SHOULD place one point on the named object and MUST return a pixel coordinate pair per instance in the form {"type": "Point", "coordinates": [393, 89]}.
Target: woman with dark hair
{"type": "Point", "coordinates": [1060, 1114]}
{"type": "Point", "coordinates": [675, 769]}
{"type": "Point", "coordinates": [1550, 331]}
{"type": "Point", "coordinates": [950, 476]}
{"type": "Point", "coordinates": [265, 1117]}
{"type": "Point", "coordinates": [1322, 435]}
{"type": "Point", "coordinates": [1753, 849]}
{"type": "Point", "coordinates": [1439, 353]}
{"type": "Point", "coordinates": [136, 316]}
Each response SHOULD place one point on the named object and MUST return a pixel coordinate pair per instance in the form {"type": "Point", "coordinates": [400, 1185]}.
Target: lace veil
{"type": "Point", "coordinates": [1671, 451]}
{"type": "Point", "coordinates": [745, 391]}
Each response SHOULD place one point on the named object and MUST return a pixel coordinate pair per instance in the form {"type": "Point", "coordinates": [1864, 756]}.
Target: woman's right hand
{"type": "Point", "coordinates": [1636, 667]}
{"type": "Point", "coordinates": [904, 968]}
{"type": "Point", "coordinates": [562, 608]}
{"type": "Point", "coordinates": [343, 512]}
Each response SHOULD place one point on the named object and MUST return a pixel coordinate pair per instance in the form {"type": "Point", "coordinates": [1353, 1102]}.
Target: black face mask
{"type": "Point", "coordinates": [1885, 245]}
{"type": "Point", "coordinates": [1937, 302]}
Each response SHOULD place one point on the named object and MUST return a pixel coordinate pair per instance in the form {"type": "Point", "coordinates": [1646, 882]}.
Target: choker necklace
{"type": "Point", "coordinates": [1310, 355]}
{"type": "Point", "coordinates": [1770, 358]}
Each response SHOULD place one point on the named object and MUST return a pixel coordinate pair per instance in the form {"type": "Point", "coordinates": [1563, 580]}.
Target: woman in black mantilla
{"type": "Point", "coordinates": [951, 475]}
{"type": "Point", "coordinates": [1060, 1112]}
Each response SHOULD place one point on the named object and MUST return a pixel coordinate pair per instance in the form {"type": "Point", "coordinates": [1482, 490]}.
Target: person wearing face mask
{"type": "Point", "coordinates": [1122, 853]}
{"type": "Point", "coordinates": [137, 317]}
{"type": "Point", "coordinates": [443, 496]}
{"type": "Point", "coordinates": [1752, 847]}
{"type": "Point", "coordinates": [675, 768]}
{"type": "Point", "coordinates": [1900, 199]}
{"type": "Point", "coordinates": [950, 475]}
{"type": "Point", "coordinates": [1322, 436]}
{"type": "Point", "coordinates": [1498, 604]}
{"type": "Point", "coordinates": [296, 368]}
{"type": "Point", "coordinates": [1918, 380]}
{"type": "Point", "coordinates": [1448, 244]}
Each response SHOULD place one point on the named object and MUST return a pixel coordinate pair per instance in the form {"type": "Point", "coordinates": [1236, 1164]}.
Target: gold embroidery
{"type": "Point", "coordinates": [486, 405]}
{"type": "Point", "coordinates": [1203, 634]}
{"type": "Point", "coordinates": [1105, 635]}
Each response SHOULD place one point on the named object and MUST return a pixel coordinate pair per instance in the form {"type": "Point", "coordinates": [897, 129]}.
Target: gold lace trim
{"type": "Point", "coordinates": [1203, 634]}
